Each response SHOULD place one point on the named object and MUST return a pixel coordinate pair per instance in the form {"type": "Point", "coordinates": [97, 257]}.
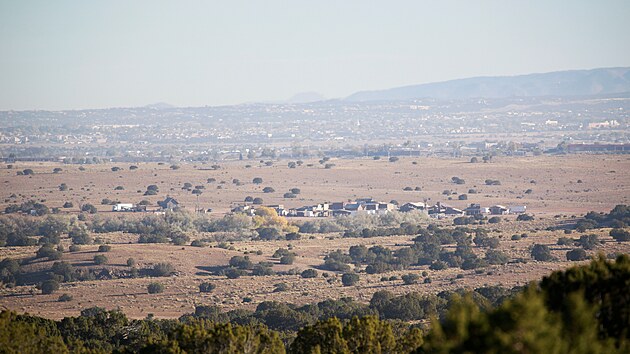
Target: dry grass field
{"type": "Point", "coordinates": [562, 187]}
{"type": "Point", "coordinates": [603, 182]}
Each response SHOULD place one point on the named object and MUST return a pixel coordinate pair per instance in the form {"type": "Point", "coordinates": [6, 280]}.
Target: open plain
{"type": "Point", "coordinates": [556, 190]}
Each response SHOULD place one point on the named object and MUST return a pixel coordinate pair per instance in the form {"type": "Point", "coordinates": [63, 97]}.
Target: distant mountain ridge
{"type": "Point", "coordinates": [558, 83]}
{"type": "Point", "coordinates": [306, 97]}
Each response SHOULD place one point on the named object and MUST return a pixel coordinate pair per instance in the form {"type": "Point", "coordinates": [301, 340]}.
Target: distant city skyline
{"type": "Point", "coordinates": [86, 54]}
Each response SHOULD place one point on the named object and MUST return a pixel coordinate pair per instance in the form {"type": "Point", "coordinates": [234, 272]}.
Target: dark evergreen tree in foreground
{"type": "Point", "coordinates": [584, 309]}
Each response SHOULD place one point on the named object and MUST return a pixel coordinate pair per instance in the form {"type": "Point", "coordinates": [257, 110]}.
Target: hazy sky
{"type": "Point", "coordinates": [95, 54]}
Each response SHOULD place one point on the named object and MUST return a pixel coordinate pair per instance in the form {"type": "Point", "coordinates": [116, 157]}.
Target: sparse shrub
{"type": "Point", "coordinates": [349, 279]}
{"type": "Point", "coordinates": [268, 233]}
{"type": "Point", "coordinates": [262, 269]}
{"type": "Point", "coordinates": [393, 159]}
{"type": "Point", "coordinates": [268, 190]}
{"type": "Point", "coordinates": [131, 262]}
{"type": "Point", "coordinates": [68, 205]}
{"type": "Point", "coordinates": [293, 236]}
{"type": "Point", "coordinates": [565, 241]}
{"type": "Point", "coordinates": [151, 192]}
{"type": "Point", "coordinates": [234, 273]}
{"type": "Point", "coordinates": [155, 288]}
{"type": "Point", "coordinates": [206, 287]}
{"type": "Point", "coordinates": [496, 257]}
{"type": "Point", "coordinates": [576, 254]}
{"type": "Point", "coordinates": [309, 273]}
{"type": "Point", "coordinates": [494, 220]}
{"type": "Point", "coordinates": [589, 242]}
{"type": "Point", "coordinates": [74, 248]}
{"type": "Point", "coordinates": [438, 265]}
{"type": "Point", "coordinates": [64, 298]}
{"type": "Point", "coordinates": [524, 217]}
{"type": "Point", "coordinates": [241, 262]}
{"type": "Point", "coordinates": [620, 235]}
{"type": "Point", "coordinates": [410, 278]}
{"type": "Point", "coordinates": [458, 180]}
{"type": "Point", "coordinates": [104, 248]}
{"type": "Point", "coordinates": [198, 243]}
{"type": "Point", "coordinates": [49, 286]}
{"type": "Point", "coordinates": [100, 259]}
{"type": "Point", "coordinates": [47, 251]}
{"type": "Point", "coordinates": [541, 253]}
{"type": "Point", "coordinates": [89, 208]}
{"type": "Point", "coordinates": [287, 259]}
{"type": "Point", "coordinates": [180, 239]}
{"type": "Point", "coordinates": [162, 269]}
{"type": "Point", "coordinates": [280, 287]}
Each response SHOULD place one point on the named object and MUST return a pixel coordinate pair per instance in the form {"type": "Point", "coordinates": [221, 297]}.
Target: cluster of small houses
{"type": "Point", "coordinates": [359, 206]}
{"type": "Point", "coordinates": [370, 206]}
{"type": "Point", "coordinates": [167, 204]}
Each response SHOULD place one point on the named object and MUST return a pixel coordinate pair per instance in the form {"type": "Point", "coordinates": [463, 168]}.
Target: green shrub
{"type": "Point", "coordinates": [620, 235]}
{"type": "Point", "coordinates": [100, 259]}
{"type": "Point", "coordinates": [576, 254]}
{"type": "Point", "coordinates": [541, 253]}
{"type": "Point", "coordinates": [410, 278]}
{"type": "Point", "coordinates": [349, 279]}
{"type": "Point", "coordinates": [162, 269]}
{"type": "Point", "coordinates": [565, 241]}
{"type": "Point", "coordinates": [494, 220]}
{"type": "Point", "coordinates": [287, 259]}
{"type": "Point", "coordinates": [155, 288]}
{"type": "Point", "coordinates": [198, 243]}
{"type": "Point", "coordinates": [49, 286]}
{"type": "Point", "coordinates": [309, 273]}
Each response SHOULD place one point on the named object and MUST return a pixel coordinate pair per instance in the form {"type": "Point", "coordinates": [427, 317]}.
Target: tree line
{"type": "Point", "coordinates": [584, 309]}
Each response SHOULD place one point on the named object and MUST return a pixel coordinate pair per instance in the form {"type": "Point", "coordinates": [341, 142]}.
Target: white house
{"type": "Point", "coordinates": [122, 207]}
{"type": "Point", "coordinates": [517, 209]}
